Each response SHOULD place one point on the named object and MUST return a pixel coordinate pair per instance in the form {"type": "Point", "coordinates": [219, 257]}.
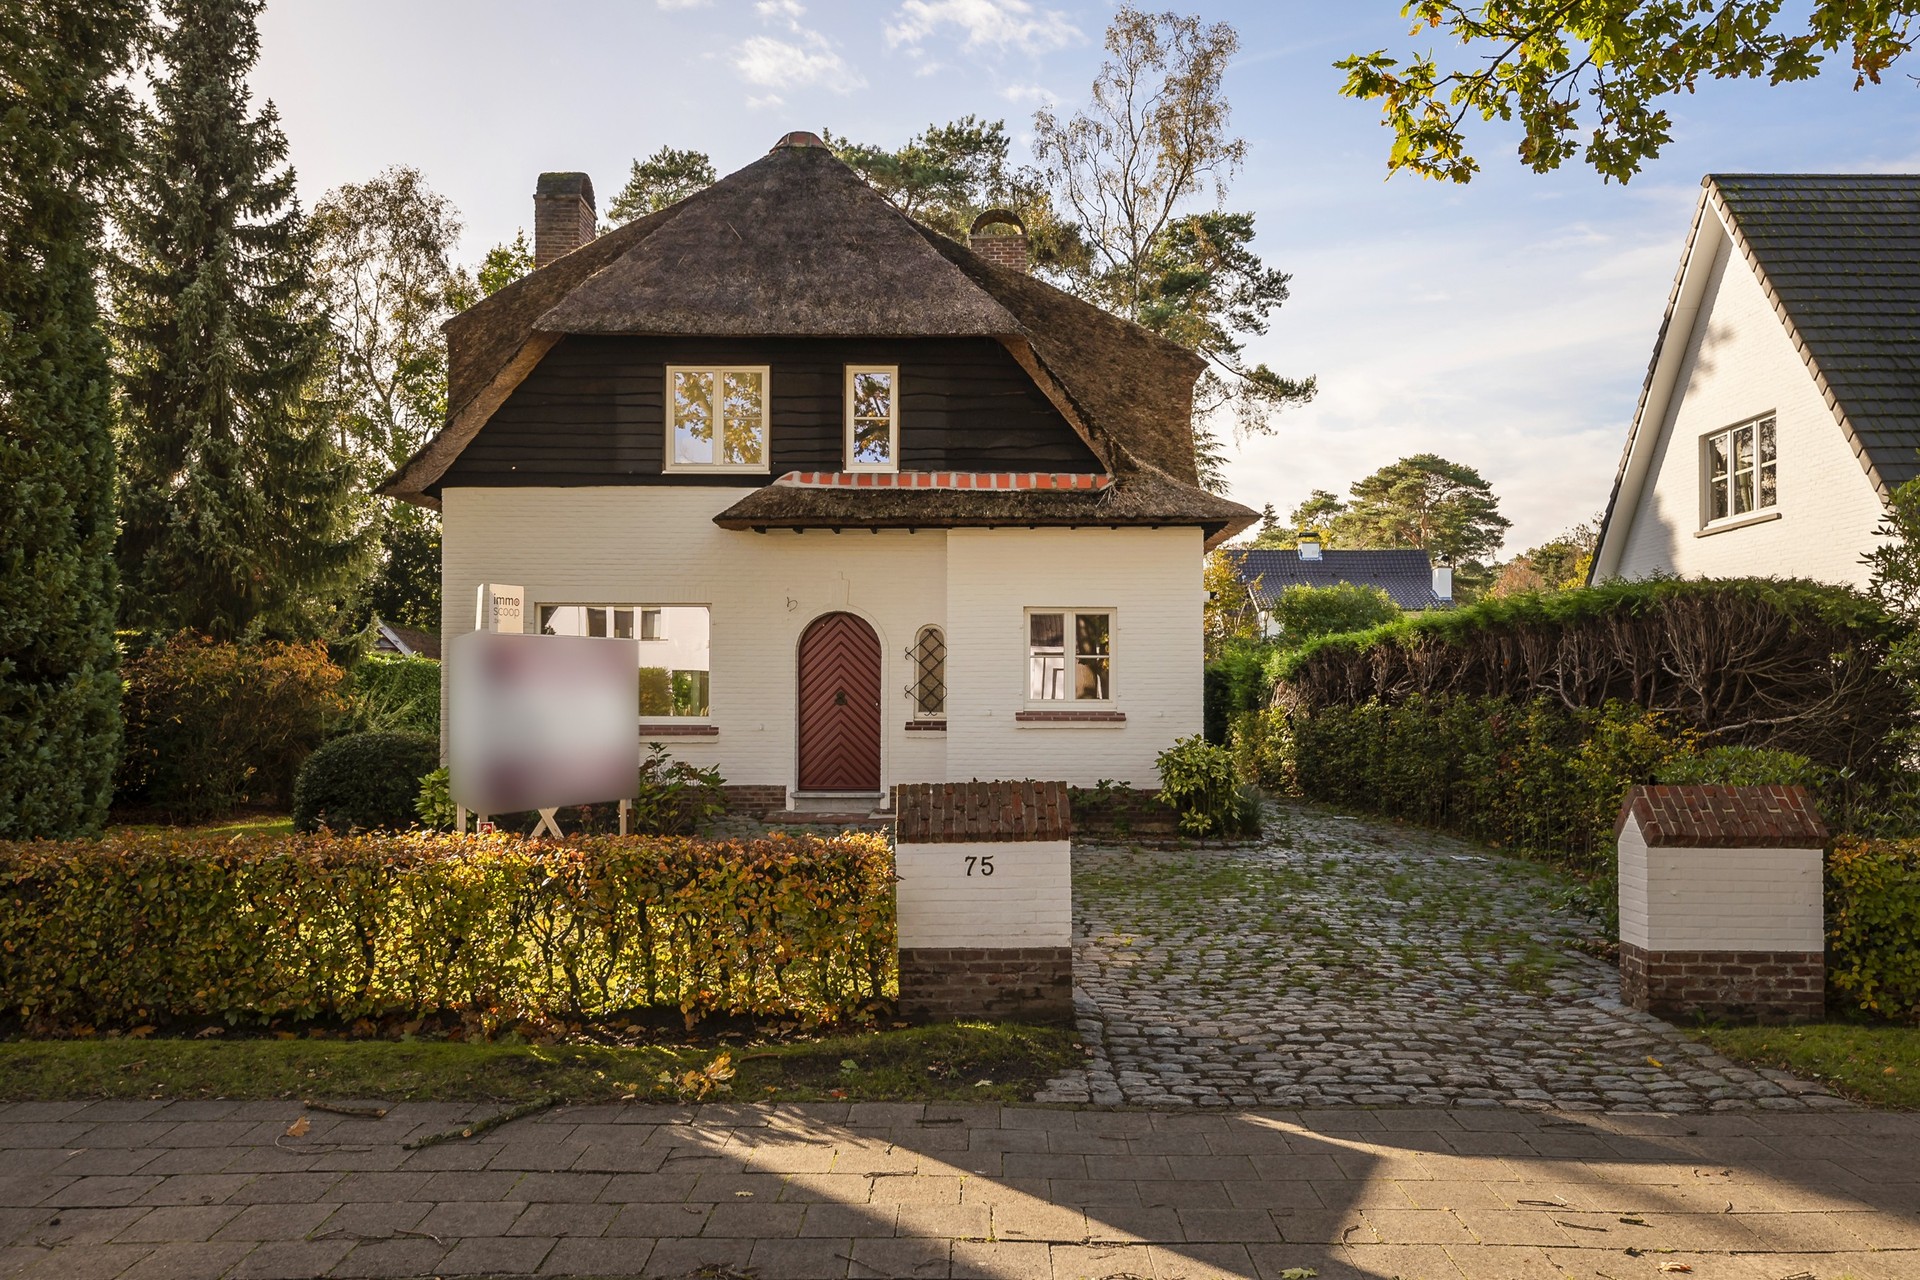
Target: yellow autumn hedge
{"type": "Point", "coordinates": [1873, 924]}
{"type": "Point", "coordinates": [140, 928]}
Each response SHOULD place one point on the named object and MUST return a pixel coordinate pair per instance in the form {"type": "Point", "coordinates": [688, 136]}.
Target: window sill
{"type": "Point", "coordinates": [1738, 522]}
{"type": "Point", "coordinates": [926, 726]}
{"type": "Point", "coordinates": [679, 731]}
{"type": "Point", "coordinates": [1070, 717]}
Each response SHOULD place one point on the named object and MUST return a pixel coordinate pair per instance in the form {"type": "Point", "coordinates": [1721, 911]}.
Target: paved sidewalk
{"type": "Point", "coordinates": [217, 1189]}
{"type": "Point", "coordinates": [1345, 961]}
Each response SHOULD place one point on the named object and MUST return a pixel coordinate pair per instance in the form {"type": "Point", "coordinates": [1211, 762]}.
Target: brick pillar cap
{"type": "Point", "coordinates": [1717, 817]}
{"type": "Point", "coordinates": [565, 184]}
{"type": "Point", "coordinates": [959, 812]}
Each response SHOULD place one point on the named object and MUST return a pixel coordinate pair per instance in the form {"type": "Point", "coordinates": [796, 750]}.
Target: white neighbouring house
{"type": "Point", "coordinates": [1782, 404]}
{"type": "Point", "coordinates": [878, 506]}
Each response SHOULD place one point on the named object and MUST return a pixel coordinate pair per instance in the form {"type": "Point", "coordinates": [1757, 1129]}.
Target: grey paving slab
{"type": "Point", "coordinates": [1342, 962]}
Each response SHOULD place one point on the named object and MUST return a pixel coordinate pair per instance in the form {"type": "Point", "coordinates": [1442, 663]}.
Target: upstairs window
{"type": "Point", "coordinates": [1740, 467]}
{"type": "Point", "coordinates": [716, 419]}
{"type": "Point", "coordinates": [873, 418]}
{"type": "Point", "coordinates": [1069, 656]}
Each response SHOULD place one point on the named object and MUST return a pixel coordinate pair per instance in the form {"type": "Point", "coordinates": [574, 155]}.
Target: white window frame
{"type": "Point", "coordinates": [651, 719]}
{"type": "Point", "coordinates": [893, 418]}
{"type": "Point", "coordinates": [1069, 613]}
{"type": "Point", "coordinates": [1758, 511]}
{"type": "Point", "coordinates": [668, 462]}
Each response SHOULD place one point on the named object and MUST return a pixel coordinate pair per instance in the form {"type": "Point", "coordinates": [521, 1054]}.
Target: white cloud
{"type": "Point", "coordinates": [783, 64]}
{"type": "Point", "coordinates": [1020, 93]}
{"type": "Point", "coordinates": [1000, 23]}
{"type": "Point", "coordinates": [791, 10]}
{"type": "Point", "coordinates": [766, 100]}
{"type": "Point", "coordinates": [671, 5]}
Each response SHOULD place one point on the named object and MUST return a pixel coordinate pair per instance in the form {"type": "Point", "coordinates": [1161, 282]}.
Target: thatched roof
{"type": "Point", "coordinates": [796, 245]}
{"type": "Point", "coordinates": [1144, 496]}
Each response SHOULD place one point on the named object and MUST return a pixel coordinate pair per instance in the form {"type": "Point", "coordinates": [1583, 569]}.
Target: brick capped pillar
{"type": "Point", "coordinates": [1000, 237]}
{"type": "Point", "coordinates": [985, 900]}
{"type": "Point", "coordinates": [1721, 910]}
{"type": "Point", "coordinates": [563, 216]}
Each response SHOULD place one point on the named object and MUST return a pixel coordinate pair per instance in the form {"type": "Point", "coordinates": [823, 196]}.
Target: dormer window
{"type": "Point", "coordinates": [873, 418]}
{"type": "Point", "coordinates": [716, 419]}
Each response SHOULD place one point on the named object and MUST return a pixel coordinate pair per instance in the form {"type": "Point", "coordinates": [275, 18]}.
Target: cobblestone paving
{"type": "Point", "coordinates": [1343, 961]}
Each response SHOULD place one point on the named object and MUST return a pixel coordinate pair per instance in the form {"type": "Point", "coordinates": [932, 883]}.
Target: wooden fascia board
{"type": "Point", "coordinates": [425, 467]}
{"type": "Point", "coordinates": [1806, 353]}
{"type": "Point", "coordinates": [1656, 389]}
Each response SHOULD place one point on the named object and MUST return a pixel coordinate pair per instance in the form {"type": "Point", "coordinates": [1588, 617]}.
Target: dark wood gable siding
{"type": "Point", "coordinates": [591, 414]}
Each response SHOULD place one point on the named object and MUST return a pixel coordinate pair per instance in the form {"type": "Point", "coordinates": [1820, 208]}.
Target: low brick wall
{"type": "Point", "coordinates": [1761, 986]}
{"type": "Point", "coordinates": [754, 799]}
{"type": "Point", "coordinates": [1032, 983]}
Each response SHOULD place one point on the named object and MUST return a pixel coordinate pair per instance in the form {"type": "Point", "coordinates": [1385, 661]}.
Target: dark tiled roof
{"type": "Point", "coordinates": [1839, 255]}
{"type": "Point", "coordinates": [1406, 576]}
{"type": "Point", "coordinates": [423, 643]}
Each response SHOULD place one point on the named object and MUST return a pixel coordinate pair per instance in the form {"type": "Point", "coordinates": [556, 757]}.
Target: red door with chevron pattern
{"type": "Point", "coordinates": [839, 705]}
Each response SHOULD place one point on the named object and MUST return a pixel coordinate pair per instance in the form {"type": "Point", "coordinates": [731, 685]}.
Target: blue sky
{"type": "Point", "coordinates": [1506, 324]}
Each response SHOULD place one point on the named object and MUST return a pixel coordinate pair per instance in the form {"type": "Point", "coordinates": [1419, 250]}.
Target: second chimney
{"type": "Point", "coordinates": [1004, 248]}
{"type": "Point", "coordinates": [563, 215]}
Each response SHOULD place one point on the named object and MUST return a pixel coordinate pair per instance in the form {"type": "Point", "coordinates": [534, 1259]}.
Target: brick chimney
{"type": "Point", "coordinates": [1005, 248]}
{"type": "Point", "coordinates": [563, 217]}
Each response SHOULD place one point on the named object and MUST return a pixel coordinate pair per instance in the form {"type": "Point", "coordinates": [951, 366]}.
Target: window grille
{"type": "Point", "coordinates": [929, 657]}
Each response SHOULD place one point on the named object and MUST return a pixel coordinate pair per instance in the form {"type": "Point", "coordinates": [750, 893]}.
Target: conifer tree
{"type": "Point", "coordinates": [61, 134]}
{"type": "Point", "coordinates": [239, 513]}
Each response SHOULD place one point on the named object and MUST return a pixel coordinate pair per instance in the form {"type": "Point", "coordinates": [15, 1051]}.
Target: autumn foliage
{"type": "Point", "coordinates": [147, 929]}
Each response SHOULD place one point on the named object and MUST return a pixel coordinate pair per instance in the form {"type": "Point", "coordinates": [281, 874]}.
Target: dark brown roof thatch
{"type": "Point", "coordinates": [796, 245]}
{"type": "Point", "coordinates": [1144, 496]}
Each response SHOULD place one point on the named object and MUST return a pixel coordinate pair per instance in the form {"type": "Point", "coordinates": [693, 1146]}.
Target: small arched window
{"type": "Point", "coordinates": [929, 691]}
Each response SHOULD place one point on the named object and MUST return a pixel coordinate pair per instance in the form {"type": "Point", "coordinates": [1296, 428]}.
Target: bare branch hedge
{"type": "Point", "coordinates": [1778, 663]}
{"type": "Point", "coordinates": [169, 926]}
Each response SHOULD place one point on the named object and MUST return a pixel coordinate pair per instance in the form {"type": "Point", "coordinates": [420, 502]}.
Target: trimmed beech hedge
{"type": "Point", "coordinates": [1873, 924]}
{"type": "Point", "coordinates": [153, 928]}
{"type": "Point", "coordinates": [1777, 663]}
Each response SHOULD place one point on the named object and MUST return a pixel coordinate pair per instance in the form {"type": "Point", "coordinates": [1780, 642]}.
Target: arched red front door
{"type": "Point", "coordinates": [839, 705]}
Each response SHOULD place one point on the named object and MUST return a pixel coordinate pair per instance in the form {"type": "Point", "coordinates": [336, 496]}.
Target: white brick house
{"type": "Point", "coordinates": [879, 508]}
{"type": "Point", "coordinates": [1782, 403]}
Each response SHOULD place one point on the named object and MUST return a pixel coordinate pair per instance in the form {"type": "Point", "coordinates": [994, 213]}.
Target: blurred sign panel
{"type": "Point", "coordinates": [541, 721]}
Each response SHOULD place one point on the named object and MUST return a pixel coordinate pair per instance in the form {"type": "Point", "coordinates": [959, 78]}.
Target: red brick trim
{"type": "Point", "coordinates": [1767, 986]}
{"type": "Point", "coordinates": [1713, 817]}
{"type": "Point", "coordinates": [1070, 717]}
{"type": "Point", "coordinates": [1027, 983]}
{"type": "Point", "coordinates": [1001, 480]}
{"type": "Point", "coordinates": [956, 812]}
{"type": "Point", "coordinates": [926, 726]}
{"type": "Point", "coordinates": [650, 731]}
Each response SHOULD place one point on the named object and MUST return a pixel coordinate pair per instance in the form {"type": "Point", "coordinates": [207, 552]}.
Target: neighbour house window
{"type": "Point", "coordinates": [929, 692]}
{"type": "Point", "coordinates": [674, 662]}
{"type": "Point", "coordinates": [716, 419]}
{"type": "Point", "coordinates": [1740, 465]}
{"type": "Point", "coordinates": [873, 418]}
{"type": "Point", "coordinates": [1069, 655]}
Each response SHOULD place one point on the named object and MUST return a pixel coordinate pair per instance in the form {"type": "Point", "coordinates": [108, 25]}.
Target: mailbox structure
{"type": "Point", "coordinates": [1721, 910]}
{"type": "Point", "coordinates": [985, 900]}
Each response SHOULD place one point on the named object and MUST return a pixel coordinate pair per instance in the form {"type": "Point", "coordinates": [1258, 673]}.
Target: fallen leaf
{"type": "Point", "coordinates": [1298, 1273]}
{"type": "Point", "coordinates": [204, 1032]}
{"type": "Point", "coordinates": [141, 1032]}
{"type": "Point", "coordinates": [298, 1129]}
{"type": "Point", "coordinates": [1655, 1062]}
{"type": "Point", "coordinates": [1675, 1266]}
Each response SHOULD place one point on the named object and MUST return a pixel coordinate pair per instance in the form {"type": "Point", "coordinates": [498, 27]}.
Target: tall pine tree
{"type": "Point", "coordinates": [239, 513]}
{"type": "Point", "coordinates": [62, 133]}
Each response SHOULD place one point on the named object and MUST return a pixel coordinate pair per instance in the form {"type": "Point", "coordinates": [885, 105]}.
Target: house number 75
{"type": "Point", "coordinates": [983, 860]}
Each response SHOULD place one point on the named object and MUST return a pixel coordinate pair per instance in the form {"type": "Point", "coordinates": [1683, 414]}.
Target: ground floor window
{"type": "Point", "coordinates": [1069, 655]}
{"type": "Point", "coordinates": [929, 690]}
{"type": "Point", "coordinates": [675, 666]}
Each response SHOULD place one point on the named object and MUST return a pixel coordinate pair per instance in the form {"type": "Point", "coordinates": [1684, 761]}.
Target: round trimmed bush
{"type": "Point", "coordinates": [363, 781]}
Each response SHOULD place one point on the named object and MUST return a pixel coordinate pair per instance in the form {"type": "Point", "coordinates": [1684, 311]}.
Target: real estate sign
{"type": "Point", "coordinates": [538, 722]}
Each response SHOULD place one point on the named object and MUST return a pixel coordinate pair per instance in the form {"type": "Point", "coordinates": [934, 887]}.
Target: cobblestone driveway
{"type": "Point", "coordinates": [1344, 961]}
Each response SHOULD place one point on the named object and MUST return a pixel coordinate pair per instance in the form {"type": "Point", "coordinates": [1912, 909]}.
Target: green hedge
{"type": "Point", "coordinates": [394, 694]}
{"type": "Point", "coordinates": [1781, 664]}
{"type": "Point", "coordinates": [1533, 775]}
{"type": "Point", "coordinates": [364, 782]}
{"type": "Point", "coordinates": [150, 928]}
{"type": "Point", "coordinates": [1873, 924]}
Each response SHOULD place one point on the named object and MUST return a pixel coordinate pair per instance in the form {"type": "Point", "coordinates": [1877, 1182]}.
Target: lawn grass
{"type": "Point", "coordinates": [969, 1061]}
{"type": "Point", "coordinates": [1874, 1063]}
{"type": "Point", "coordinates": [253, 824]}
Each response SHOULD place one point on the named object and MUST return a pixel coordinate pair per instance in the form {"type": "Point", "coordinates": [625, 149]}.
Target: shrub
{"type": "Point", "coordinates": [1305, 613]}
{"type": "Point", "coordinates": [433, 803]}
{"type": "Point", "coordinates": [1873, 924]}
{"type": "Point", "coordinates": [1533, 775]}
{"type": "Point", "coordinates": [210, 725]}
{"type": "Point", "coordinates": [1262, 746]}
{"type": "Point", "coordinates": [393, 694]}
{"type": "Point", "coordinates": [363, 782]}
{"type": "Point", "coordinates": [155, 927]}
{"type": "Point", "coordinates": [676, 798]}
{"type": "Point", "coordinates": [1782, 664]}
{"type": "Point", "coordinates": [1236, 681]}
{"type": "Point", "coordinates": [1197, 781]}
{"type": "Point", "coordinates": [1742, 767]}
